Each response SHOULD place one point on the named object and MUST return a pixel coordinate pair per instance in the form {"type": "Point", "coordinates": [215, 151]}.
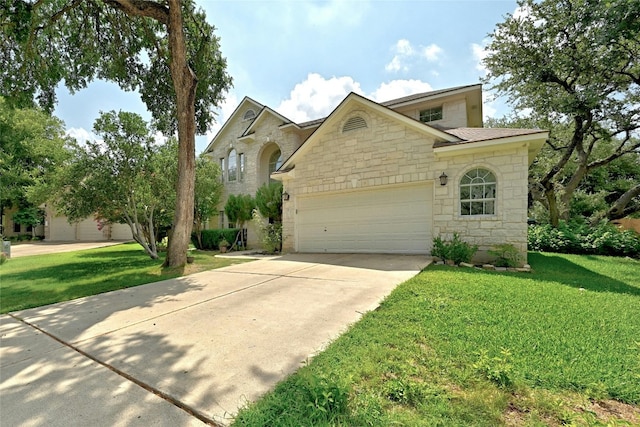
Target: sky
{"type": "Point", "coordinates": [302, 57]}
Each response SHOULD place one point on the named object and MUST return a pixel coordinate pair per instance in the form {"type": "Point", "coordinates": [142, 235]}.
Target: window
{"type": "Point", "coordinates": [232, 166]}
{"type": "Point", "coordinates": [249, 114]}
{"type": "Point", "coordinates": [241, 166]}
{"type": "Point", "coordinates": [16, 227]}
{"type": "Point", "coordinates": [222, 169]}
{"type": "Point", "coordinates": [221, 219]}
{"type": "Point", "coordinates": [478, 193]}
{"type": "Point", "coordinates": [275, 161]}
{"type": "Point", "coordinates": [354, 123]}
{"type": "Point", "coordinates": [431, 114]}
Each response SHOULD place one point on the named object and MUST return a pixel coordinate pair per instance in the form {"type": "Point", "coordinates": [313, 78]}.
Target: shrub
{"type": "Point", "coordinates": [456, 249]}
{"type": "Point", "coordinates": [270, 234]}
{"type": "Point", "coordinates": [211, 238]}
{"type": "Point", "coordinates": [506, 255]}
{"type": "Point", "coordinates": [577, 238]}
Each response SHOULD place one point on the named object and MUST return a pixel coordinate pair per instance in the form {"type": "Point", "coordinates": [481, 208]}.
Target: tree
{"type": "Point", "coordinates": [125, 178]}
{"type": "Point", "coordinates": [239, 209]}
{"type": "Point", "coordinates": [164, 49]}
{"type": "Point", "coordinates": [575, 62]}
{"type": "Point", "coordinates": [30, 216]}
{"type": "Point", "coordinates": [32, 144]}
{"type": "Point", "coordinates": [207, 194]}
{"type": "Point", "coordinates": [269, 201]}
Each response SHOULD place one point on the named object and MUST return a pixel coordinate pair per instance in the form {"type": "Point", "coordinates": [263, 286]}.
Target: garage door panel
{"type": "Point", "coordinates": [395, 219]}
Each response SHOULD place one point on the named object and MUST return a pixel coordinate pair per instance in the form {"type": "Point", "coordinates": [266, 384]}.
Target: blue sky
{"type": "Point", "coordinates": [303, 57]}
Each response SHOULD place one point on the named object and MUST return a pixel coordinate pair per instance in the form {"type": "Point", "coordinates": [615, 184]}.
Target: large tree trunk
{"type": "Point", "coordinates": [619, 208]}
{"type": "Point", "coordinates": [185, 83]}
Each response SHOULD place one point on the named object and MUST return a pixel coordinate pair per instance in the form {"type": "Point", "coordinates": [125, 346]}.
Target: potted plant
{"type": "Point", "coordinates": [223, 244]}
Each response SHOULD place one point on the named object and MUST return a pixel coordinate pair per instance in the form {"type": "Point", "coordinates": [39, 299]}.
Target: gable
{"type": "Point", "coordinates": [238, 122]}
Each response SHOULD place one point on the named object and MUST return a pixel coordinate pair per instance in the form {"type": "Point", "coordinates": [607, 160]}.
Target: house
{"type": "Point", "coordinates": [384, 177]}
{"type": "Point", "coordinates": [56, 228]}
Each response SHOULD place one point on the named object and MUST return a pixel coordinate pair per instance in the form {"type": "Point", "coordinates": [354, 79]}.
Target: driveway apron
{"type": "Point", "coordinates": [185, 351]}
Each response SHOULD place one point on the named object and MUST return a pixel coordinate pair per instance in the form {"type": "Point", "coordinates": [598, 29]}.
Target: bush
{"type": "Point", "coordinates": [270, 234]}
{"type": "Point", "coordinates": [211, 238]}
{"type": "Point", "coordinates": [576, 238]}
{"type": "Point", "coordinates": [506, 255]}
{"type": "Point", "coordinates": [456, 250]}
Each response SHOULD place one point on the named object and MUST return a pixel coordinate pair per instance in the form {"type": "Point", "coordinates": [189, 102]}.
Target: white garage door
{"type": "Point", "coordinates": [394, 219]}
{"type": "Point", "coordinates": [61, 230]}
{"type": "Point", "coordinates": [88, 231]}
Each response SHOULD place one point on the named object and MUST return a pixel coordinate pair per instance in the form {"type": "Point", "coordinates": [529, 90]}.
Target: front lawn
{"type": "Point", "coordinates": [456, 346]}
{"type": "Point", "coordinates": [37, 280]}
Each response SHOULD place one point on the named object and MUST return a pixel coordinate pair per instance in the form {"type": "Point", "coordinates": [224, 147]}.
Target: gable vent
{"type": "Point", "coordinates": [250, 114]}
{"type": "Point", "coordinates": [354, 123]}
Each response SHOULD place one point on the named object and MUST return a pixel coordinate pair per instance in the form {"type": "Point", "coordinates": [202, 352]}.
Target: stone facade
{"type": "Point", "coordinates": [364, 145]}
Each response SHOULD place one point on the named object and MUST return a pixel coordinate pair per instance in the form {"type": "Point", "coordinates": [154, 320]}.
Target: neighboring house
{"type": "Point", "coordinates": [57, 229]}
{"type": "Point", "coordinates": [385, 177]}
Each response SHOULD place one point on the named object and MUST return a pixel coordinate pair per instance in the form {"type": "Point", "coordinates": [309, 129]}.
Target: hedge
{"type": "Point", "coordinates": [211, 238]}
{"type": "Point", "coordinates": [576, 238]}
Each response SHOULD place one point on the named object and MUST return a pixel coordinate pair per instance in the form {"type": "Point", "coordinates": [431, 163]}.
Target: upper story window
{"type": "Point", "coordinates": [354, 123]}
{"type": "Point", "coordinates": [249, 115]}
{"type": "Point", "coordinates": [241, 161]}
{"type": "Point", "coordinates": [232, 166]}
{"type": "Point", "coordinates": [478, 193]}
{"type": "Point", "coordinates": [275, 161]}
{"type": "Point", "coordinates": [222, 169]}
{"type": "Point", "coordinates": [431, 114]}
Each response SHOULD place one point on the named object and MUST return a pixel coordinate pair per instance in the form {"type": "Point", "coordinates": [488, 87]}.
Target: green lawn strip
{"type": "Point", "coordinates": [457, 346]}
{"type": "Point", "coordinates": [33, 281]}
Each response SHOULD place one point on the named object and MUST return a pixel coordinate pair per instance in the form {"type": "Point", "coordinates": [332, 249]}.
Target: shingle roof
{"type": "Point", "coordinates": [430, 94]}
{"type": "Point", "coordinates": [468, 135]}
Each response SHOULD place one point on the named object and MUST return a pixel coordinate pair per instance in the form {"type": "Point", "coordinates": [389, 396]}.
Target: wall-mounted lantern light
{"type": "Point", "coordinates": [285, 196]}
{"type": "Point", "coordinates": [443, 179]}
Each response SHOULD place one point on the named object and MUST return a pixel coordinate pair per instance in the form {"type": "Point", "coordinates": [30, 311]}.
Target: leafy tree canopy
{"type": "Point", "coordinates": [269, 201]}
{"type": "Point", "coordinates": [573, 62]}
{"type": "Point", "coordinates": [207, 194]}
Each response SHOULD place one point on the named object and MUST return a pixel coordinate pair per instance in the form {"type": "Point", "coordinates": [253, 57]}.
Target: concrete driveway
{"type": "Point", "coordinates": [186, 351]}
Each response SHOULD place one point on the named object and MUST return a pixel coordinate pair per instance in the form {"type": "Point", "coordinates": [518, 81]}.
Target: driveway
{"type": "Point", "coordinates": [40, 248]}
{"type": "Point", "coordinates": [185, 351]}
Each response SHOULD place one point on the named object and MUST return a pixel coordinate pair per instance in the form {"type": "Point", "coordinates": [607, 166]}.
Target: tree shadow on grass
{"type": "Point", "coordinates": [558, 268]}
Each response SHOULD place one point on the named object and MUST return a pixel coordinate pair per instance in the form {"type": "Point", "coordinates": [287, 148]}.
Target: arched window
{"type": "Point", "coordinates": [478, 193]}
{"type": "Point", "coordinates": [275, 161]}
{"type": "Point", "coordinates": [232, 166]}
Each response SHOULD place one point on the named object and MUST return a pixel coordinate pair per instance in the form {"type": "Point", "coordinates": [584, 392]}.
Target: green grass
{"type": "Point", "coordinates": [38, 280]}
{"type": "Point", "coordinates": [457, 346]}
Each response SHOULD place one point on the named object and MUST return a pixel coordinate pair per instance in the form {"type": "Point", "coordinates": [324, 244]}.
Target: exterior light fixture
{"type": "Point", "coordinates": [443, 179]}
{"type": "Point", "coordinates": [285, 196]}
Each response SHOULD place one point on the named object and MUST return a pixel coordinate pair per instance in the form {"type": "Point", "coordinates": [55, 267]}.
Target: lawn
{"type": "Point", "coordinates": [457, 347]}
{"type": "Point", "coordinates": [37, 280]}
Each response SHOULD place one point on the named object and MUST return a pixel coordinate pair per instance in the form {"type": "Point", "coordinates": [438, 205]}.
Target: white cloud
{"type": "Point", "coordinates": [316, 97]}
{"type": "Point", "coordinates": [399, 88]}
{"type": "Point", "coordinates": [406, 55]}
{"type": "Point", "coordinates": [479, 53]}
{"type": "Point", "coordinates": [82, 135]}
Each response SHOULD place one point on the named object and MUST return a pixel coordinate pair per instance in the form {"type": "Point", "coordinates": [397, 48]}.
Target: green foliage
{"type": "Point", "coordinates": [496, 369]}
{"type": "Point", "coordinates": [270, 234]}
{"type": "Point", "coordinates": [3, 258]}
{"type": "Point", "coordinates": [506, 255]}
{"type": "Point", "coordinates": [75, 43]}
{"type": "Point", "coordinates": [208, 189]}
{"type": "Point", "coordinates": [239, 209]}
{"type": "Point", "coordinates": [29, 216]}
{"type": "Point", "coordinates": [580, 238]}
{"type": "Point", "coordinates": [269, 201]}
{"type": "Point", "coordinates": [211, 238]}
{"type": "Point", "coordinates": [455, 249]}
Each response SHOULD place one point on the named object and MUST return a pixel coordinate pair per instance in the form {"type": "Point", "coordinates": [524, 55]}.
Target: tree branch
{"type": "Point", "coordinates": [143, 8]}
{"type": "Point", "coordinates": [619, 208]}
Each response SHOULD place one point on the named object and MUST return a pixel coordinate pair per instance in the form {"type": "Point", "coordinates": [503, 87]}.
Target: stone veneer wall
{"type": "Point", "coordinates": [389, 152]}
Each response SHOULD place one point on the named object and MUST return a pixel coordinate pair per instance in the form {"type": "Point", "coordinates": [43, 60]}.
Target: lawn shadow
{"type": "Point", "coordinates": [557, 268]}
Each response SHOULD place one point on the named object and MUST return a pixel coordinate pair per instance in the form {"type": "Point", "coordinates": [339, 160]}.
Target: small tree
{"type": "Point", "coordinates": [207, 194]}
{"type": "Point", "coordinates": [29, 216]}
{"type": "Point", "coordinates": [239, 209]}
{"type": "Point", "coordinates": [269, 201]}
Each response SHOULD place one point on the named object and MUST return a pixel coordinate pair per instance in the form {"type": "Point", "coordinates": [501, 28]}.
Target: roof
{"type": "Point", "coordinates": [469, 135]}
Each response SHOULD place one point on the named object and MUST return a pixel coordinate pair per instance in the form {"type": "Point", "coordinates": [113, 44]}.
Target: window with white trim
{"type": "Point", "coordinates": [478, 192]}
{"type": "Point", "coordinates": [222, 169]}
{"type": "Point", "coordinates": [431, 114]}
{"type": "Point", "coordinates": [241, 160]}
{"type": "Point", "coordinates": [232, 166]}
{"type": "Point", "coordinates": [249, 114]}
